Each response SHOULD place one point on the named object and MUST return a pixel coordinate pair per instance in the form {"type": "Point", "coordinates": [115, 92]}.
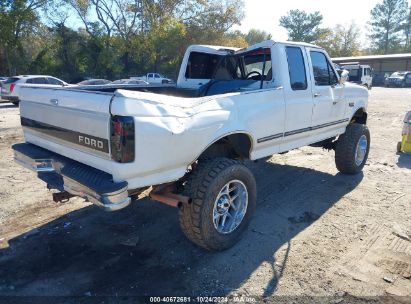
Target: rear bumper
{"type": "Point", "coordinates": [65, 174]}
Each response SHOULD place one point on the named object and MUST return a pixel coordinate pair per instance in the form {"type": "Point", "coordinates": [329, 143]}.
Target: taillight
{"type": "Point", "coordinates": [12, 87]}
{"type": "Point", "coordinates": [122, 139]}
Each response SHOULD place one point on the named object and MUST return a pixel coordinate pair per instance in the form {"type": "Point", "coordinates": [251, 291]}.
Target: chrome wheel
{"type": "Point", "coordinates": [361, 150]}
{"type": "Point", "coordinates": [230, 207]}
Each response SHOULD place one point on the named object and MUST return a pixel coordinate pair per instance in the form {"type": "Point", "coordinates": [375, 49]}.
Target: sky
{"type": "Point", "coordinates": [265, 14]}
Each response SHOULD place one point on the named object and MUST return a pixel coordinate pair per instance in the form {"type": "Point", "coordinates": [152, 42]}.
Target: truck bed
{"type": "Point", "coordinates": [213, 87]}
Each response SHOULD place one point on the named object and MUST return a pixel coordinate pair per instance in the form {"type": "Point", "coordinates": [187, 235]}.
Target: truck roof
{"type": "Point", "coordinates": [266, 43]}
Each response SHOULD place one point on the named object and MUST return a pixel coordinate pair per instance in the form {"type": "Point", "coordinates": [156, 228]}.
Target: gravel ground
{"type": "Point", "coordinates": [315, 232]}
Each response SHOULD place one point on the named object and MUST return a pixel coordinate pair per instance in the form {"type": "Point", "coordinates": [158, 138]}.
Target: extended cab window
{"type": "Point", "coordinates": [323, 73]}
{"type": "Point", "coordinates": [201, 65]}
{"type": "Point", "coordinates": [296, 68]}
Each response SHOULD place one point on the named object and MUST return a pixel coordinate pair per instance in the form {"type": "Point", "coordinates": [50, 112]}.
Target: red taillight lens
{"type": "Point", "coordinates": [12, 87]}
{"type": "Point", "coordinates": [122, 139]}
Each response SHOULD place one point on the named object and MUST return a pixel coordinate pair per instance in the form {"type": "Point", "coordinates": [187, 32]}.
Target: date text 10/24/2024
{"type": "Point", "coordinates": [203, 299]}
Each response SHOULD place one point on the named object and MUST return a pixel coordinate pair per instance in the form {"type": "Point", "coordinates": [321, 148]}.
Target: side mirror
{"type": "Point", "coordinates": [344, 76]}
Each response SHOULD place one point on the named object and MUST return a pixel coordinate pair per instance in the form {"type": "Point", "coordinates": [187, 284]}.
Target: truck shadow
{"type": "Point", "coordinates": [141, 251]}
{"type": "Point", "coordinates": [404, 161]}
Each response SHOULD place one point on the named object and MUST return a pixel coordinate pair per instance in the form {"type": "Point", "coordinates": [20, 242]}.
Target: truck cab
{"type": "Point", "coordinates": [359, 73]}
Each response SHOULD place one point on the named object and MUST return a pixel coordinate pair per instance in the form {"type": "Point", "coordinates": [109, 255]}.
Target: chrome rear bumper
{"type": "Point", "coordinates": [65, 174]}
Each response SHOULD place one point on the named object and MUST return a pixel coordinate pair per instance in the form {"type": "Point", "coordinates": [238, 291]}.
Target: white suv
{"type": "Point", "coordinates": [10, 89]}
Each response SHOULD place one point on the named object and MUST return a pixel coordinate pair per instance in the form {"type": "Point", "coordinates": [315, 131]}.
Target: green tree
{"type": "Point", "coordinates": [117, 38]}
{"type": "Point", "coordinates": [302, 26]}
{"type": "Point", "coordinates": [18, 21]}
{"type": "Point", "coordinates": [255, 36]}
{"type": "Point", "coordinates": [407, 31]}
{"type": "Point", "coordinates": [343, 41]}
{"type": "Point", "coordinates": [387, 23]}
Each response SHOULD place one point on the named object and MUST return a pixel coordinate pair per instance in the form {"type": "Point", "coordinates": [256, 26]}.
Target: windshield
{"type": "Point", "coordinates": [354, 74]}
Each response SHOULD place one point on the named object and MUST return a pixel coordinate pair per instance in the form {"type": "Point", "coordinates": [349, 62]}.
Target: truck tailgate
{"type": "Point", "coordinates": [70, 118]}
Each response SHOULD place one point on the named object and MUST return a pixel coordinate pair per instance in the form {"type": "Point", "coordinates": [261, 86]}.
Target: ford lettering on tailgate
{"type": "Point", "coordinates": [85, 140]}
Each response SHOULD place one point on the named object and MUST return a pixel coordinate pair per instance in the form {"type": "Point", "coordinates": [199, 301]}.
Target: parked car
{"type": "Point", "coordinates": [399, 79]}
{"type": "Point", "coordinates": [187, 143]}
{"type": "Point", "coordinates": [11, 87]}
{"type": "Point", "coordinates": [94, 82]}
{"type": "Point", "coordinates": [154, 78]}
{"type": "Point", "coordinates": [359, 73]}
{"type": "Point", "coordinates": [129, 81]}
{"type": "Point", "coordinates": [2, 79]}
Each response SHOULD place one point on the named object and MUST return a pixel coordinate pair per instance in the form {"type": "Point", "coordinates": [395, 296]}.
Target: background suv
{"type": "Point", "coordinates": [399, 79]}
{"type": "Point", "coordinates": [10, 88]}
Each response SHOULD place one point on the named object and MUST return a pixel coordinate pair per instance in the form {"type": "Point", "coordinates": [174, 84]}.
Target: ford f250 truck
{"type": "Point", "coordinates": [188, 143]}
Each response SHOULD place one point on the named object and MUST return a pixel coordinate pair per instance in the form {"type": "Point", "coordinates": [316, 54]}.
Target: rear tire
{"type": "Point", "coordinates": [16, 103]}
{"type": "Point", "coordinates": [352, 149]}
{"type": "Point", "coordinates": [399, 144]}
{"type": "Point", "coordinates": [217, 187]}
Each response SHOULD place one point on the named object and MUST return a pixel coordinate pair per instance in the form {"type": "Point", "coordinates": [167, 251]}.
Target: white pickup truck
{"type": "Point", "coordinates": [189, 142]}
{"type": "Point", "coordinates": [154, 78]}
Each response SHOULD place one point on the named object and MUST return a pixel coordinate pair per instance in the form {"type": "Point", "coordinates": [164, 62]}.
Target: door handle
{"type": "Point", "coordinates": [54, 101]}
{"type": "Point", "coordinates": [317, 94]}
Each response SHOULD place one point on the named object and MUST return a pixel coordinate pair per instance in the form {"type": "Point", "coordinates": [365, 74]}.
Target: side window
{"type": "Point", "coordinates": [150, 75]}
{"type": "Point", "coordinates": [323, 73]}
{"type": "Point", "coordinates": [296, 68]}
{"type": "Point", "coordinates": [157, 76]}
{"type": "Point", "coordinates": [42, 80]}
{"type": "Point", "coordinates": [29, 81]}
{"type": "Point", "coordinates": [38, 80]}
{"type": "Point", "coordinates": [55, 81]}
{"type": "Point", "coordinates": [365, 72]}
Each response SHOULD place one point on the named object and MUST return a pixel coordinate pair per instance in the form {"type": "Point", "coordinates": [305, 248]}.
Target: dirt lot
{"type": "Point", "coordinates": [315, 231]}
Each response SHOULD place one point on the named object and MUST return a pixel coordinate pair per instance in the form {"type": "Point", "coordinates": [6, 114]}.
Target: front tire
{"type": "Point", "coordinates": [223, 194]}
{"type": "Point", "coordinates": [352, 149]}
